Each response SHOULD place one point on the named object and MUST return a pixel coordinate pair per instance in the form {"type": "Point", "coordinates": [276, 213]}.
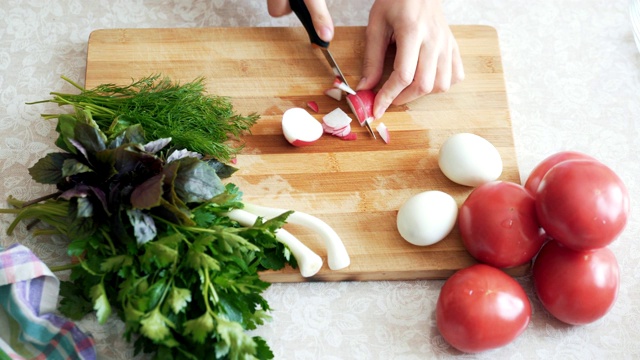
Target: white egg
{"type": "Point", "coordinates": [427, 217]}
{"type": "Point", "coordinates": [470, 160]}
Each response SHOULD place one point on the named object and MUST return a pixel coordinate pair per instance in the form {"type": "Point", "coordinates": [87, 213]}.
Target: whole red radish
{"type": "Point", "coordinates": [361, 105]}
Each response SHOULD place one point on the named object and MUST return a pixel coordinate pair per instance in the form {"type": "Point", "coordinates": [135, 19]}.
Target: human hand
{"type": "Point", "coordinates": [318, 10]}
{"type": "Point", "coordinates": [427, 55]}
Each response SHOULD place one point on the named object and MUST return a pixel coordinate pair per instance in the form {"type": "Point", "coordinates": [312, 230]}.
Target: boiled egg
{"type": "Point", "coordinates": [470, 160]}
{"type": "Point", "coordinates": [427, 217]}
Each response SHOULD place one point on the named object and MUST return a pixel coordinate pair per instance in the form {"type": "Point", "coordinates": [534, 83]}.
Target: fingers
{"type": "Point", "coordinates": [376, 42]}
{"type": "Point", "coordinates": [321, 17]}
{"type": "Point", "coordinates": [318, 10]}
{"type": "Point", "coordinates": [404, 69]}
{"type": "Point", "coordinates": [457, 69]}
{"type": "Point", "coordinates": [439, 66]}
{"type": "Point", "coordinates": [424, 79]}
{"type": "Point", "coordinates": [278, 8]}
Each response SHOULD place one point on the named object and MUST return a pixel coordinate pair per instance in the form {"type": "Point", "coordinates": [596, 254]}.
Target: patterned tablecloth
{"type": "Point", "coordinates": [572, 74]}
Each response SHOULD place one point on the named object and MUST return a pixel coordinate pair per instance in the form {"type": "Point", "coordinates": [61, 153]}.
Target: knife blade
{"type": "Point", "coordinates": [302, 12]}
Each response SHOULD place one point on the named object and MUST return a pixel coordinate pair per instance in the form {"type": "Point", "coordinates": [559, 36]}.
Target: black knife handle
{"type": "Point", "coordinates": [301, 11]}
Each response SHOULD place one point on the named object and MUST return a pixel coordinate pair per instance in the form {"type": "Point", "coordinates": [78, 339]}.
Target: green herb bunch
{"type": "Point", "coordinates": [152, 244]}
{"type": "Point", "coordinates": [193, 119]}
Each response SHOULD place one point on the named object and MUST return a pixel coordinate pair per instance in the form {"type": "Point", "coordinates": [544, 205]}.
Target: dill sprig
{"type": "Point", "coordinates": [193, 119]}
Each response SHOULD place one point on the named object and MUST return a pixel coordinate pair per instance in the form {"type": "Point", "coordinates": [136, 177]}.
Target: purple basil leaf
{"type": "Point", "coordinates": [89, 137]}
{"type": "Point", "coordinates": [85, 208]}
{"type": "Point", "coordinates": [82, 191]}
{"type": "Point", "coordinates": [196, 181]}
{"type": "Point", "coordinates": [181, 154]}
{"type": "Point", "coordinates": [131, 135]}
{"type": "Point", "coordinates": [72, 167]}
{"type": "Point", "coordinates": [79, 147]}
{"type": "Point", "coordinates": [48, 170]}
{"type": "Point", "coordinates": [223, 170]}
{"type": "Point", "coordinates": [144, 228]}
{"type": "Point", "coordinates": [156, 145]}
{"type": "Point", "coordinates": [148, 194]}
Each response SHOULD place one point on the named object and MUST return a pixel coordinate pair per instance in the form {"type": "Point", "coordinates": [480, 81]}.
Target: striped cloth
{"type": "Point", "coordinates": [28, 297]}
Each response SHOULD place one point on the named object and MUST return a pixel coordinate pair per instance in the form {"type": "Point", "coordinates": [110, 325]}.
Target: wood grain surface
{"type": "Point", "coordinates": [355, 186]}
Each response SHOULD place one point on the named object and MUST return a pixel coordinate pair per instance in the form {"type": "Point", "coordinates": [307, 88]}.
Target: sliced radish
{"type": "Point", "coordinates": [361, 105]}
{"type": "Point", "coordinates": [334, 93]}
{"type": "Point", "coordinates": [337, 132]}
{"type": "Point", "coordinates": [384, 132]}
{"type": "Point", "coordinates": [337, 123]}
{"type": "Point", "coordinates": [336, 118]}
{"type": "Point", "coordinates": [337, 83]}
{"type": "Point", "coordinates": [300, 128]}
{"type": "Point", "coordinates": [341, 132]}
{"type": "Point", "coordinates": [349, 136]}
{"type": "Point", "coordinates": [346, 133]}
{"type": "Point", "coordinates": [313, 105]}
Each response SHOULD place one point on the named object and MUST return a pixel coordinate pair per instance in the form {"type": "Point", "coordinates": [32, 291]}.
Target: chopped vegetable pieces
{"type": "Point", "coordinates": [334, 93]}
{"type": "Point", "coordinates": [381, 128]}
{"type": "Point", "coordinates": [313, 105]}
{"type": "Point", "coordinates": [337, 123]}
{"type": "Point", "coordinates": [337, 83]}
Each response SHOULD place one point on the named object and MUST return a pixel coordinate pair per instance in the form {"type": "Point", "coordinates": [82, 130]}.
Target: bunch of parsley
{"type": "Point", "coordinates": [152, 244]}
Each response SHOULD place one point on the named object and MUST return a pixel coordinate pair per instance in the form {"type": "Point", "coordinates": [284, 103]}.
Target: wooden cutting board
{"type": "Point", "coordinates": [355, 186]}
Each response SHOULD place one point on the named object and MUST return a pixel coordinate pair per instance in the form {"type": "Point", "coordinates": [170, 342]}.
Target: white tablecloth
{"type": "Point", "coordinates": [572, 74]}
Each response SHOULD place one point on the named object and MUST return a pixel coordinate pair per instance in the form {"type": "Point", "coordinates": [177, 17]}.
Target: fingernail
{"type": "Point", "coordinates": [361, 83]}
{"type": "Point", "coordinates": [378, 112]}
{"type": "Point", "coordinates": [325, 33]}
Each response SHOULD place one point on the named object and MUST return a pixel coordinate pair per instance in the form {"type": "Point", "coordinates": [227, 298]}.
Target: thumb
{"type": "Point", "coordinates": [322, 21]}
{"type": "Point", "coordinates": [278, 8]}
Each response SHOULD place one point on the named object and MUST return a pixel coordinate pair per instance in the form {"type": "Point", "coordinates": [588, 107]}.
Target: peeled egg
{"type": "Point", "coordinates": [470, 160]}
{"type": "Point", "coordinates": [427, 217]}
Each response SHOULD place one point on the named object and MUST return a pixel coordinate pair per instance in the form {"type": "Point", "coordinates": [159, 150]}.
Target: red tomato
{"type": "Point", "coordinates": [498, 224]}
{"type": "Point", "coordinates": [533, 181]}
{"type": "Point", "coordinates": [582, 204]}
{"type": "Point", "coordinates": [577, 287]}
{"type": "Point", "coordinates": [481, 308]}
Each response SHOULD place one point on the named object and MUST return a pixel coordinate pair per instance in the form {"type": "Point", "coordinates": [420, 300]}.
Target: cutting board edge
{"type": "Point", "coordinates": [292, 276]}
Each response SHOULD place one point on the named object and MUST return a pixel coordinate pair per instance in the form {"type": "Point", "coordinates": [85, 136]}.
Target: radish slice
{"type": "Point", "coordinates": [349, 136]}
{"type": "Point", "coordinates": [336, 118]}
{"type": "Point", "coordinates": [313, 105]}
{"type": "Point", "coordinates": [334, 93]}
{"type": "Point", "coordinates": [361, 105]}
{"type": "Point", "coordinates": [343, 131]}
{"type": "Point", "coordinates": [337, 83]}
{"type": "Point", "coordinates": [337, 123]}
{"type": "Point", "coordinates": [384, 132]}
{"type": "Point", "coordinates": [300, 128]}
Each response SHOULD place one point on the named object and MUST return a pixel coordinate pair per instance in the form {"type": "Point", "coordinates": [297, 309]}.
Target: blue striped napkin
{"type": "Point", "coordinates": [28, 298]}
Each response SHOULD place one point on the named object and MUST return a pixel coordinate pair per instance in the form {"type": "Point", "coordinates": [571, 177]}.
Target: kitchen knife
{"type": "Point", "coordinates": [302, 12]}
{"type": "Point", "coordinates": [300, 9]}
